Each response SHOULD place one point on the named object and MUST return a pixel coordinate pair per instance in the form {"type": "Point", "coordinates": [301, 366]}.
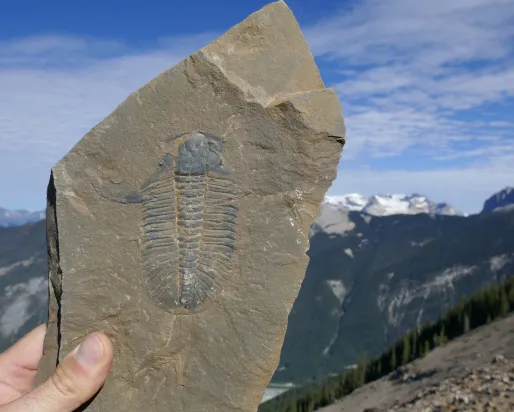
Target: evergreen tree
{"type": "Point", "coordinates": [504, 302]}
{"type": "Point", "coordinates": [482, 308]}
{"type": "Point", "coordinates": [406, 350]}
{"type": "Point", "coordinates": [442, 336]}
{"type": "Point", "coordinates": [394, 364]}
{"type": "Point", "coordinates": [426, 347]}
{"type": "Point", "coordinates": [414, 348]}
{"type": "Point", "coordinates": [435, 339]}
{"type": "Point", "coordinates": [291, 405]}
{"type": "Point", "coordinates": [510, 296]}
{"type": "Point", "coordinates": [466, 327]}
{"type": "Point", "coordinates": [360, 372]}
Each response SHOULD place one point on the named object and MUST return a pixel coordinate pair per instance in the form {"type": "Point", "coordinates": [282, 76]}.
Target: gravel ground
{"type": "Point", "coordinates": [472, 373]}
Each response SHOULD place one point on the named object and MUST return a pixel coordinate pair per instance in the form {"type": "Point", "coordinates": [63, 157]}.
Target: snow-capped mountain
{"type": "Point", "coordinates": [354, 202]}
{"type": "Point", "coordinates": [499, 201]}
{"type": "Point", "coordinates": [10, 218]}
{"type": "Point", "coordinates": [384, 205]}
{"type": "Point", "coordinates": [385, 276]}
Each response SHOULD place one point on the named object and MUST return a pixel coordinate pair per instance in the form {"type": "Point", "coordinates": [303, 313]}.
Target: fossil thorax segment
{"type": "Point", "coordinates": [188, 223]}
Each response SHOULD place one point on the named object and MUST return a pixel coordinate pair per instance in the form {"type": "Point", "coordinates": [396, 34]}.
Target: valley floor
{"type": "Point", "coordinates": [472, 373]}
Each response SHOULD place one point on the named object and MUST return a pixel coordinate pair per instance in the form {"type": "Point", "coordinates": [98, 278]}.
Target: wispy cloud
{"type": "Point", "coordinates": [47, 109]}
{"type": "Point", "coordinates": [412, 70]}
{"type": "Point", "coordinates": [56, 51]}
{"type": "Point", "coordinates": [54, 89]}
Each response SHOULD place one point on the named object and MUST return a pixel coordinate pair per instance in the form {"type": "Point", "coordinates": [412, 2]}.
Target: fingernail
{"type": "Point", "coordinates": [90, 351]}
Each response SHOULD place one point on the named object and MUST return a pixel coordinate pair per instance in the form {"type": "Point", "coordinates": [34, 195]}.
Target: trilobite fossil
{"type": "Point", "coordinates": [188, 223]}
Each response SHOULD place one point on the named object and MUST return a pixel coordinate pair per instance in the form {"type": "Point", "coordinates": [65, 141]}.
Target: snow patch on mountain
{"type": "Point", "coordinates": [340, 292]}
{"type": "Point", "coordinates": [398, 301]}
{"type": "Point", "coordinates": [392, 204]}
{"type": "Point", "coordinates": [332, 220]}
{"type": "Point", "coordinates": [338, 289]}
{"type": "Point", "coordinates": [351, 202]}
{"type": "Point", "coordinates": [498, 262]}
{"type": "Point", "coordinates": [20, 303]}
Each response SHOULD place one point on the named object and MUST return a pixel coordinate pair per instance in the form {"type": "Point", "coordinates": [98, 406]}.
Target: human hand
{"type": "Point", "coordinates": [77, 378]}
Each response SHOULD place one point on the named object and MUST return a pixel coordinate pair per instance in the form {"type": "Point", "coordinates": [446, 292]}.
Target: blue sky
{"type": "Point", "coordinates": [427, 88]}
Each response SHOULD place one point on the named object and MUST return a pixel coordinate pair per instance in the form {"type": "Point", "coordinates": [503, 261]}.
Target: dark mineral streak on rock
{"type": "Point", "coordinates": [188, 224]}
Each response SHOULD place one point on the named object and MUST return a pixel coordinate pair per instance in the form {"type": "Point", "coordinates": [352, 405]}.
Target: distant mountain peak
{"type": "Point", "coordinates": [351, 201]}
{"type": "Point", "coordinates": [500, 200]}
{"type": "Point", "coordinates": [10, 218]}
{"type": "Point", "coordinates": [389, 204]}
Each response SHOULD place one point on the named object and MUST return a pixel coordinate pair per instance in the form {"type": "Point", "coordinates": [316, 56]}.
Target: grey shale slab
{"type": "Point", "coordinates": [179, 224]}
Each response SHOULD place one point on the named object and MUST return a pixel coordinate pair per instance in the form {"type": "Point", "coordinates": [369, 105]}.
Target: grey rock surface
{"type": "Point", "coordinates": [179, 224]}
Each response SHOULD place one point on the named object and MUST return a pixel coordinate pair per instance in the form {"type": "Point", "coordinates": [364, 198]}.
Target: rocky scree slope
{"type": "Point", "coordinates": [472, 373]}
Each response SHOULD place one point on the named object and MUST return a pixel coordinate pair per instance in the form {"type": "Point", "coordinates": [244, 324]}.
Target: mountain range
{"type": "Point", "coordinates": [375, 274]}
{"type": "Point", "coordinates": [23, 280]}
{"type": "Point", "coordinates": [385, 205]}
{"type": "Point", "coordinates": [379, 266]}
{"type": "Point", "coordinates": [9, 218]}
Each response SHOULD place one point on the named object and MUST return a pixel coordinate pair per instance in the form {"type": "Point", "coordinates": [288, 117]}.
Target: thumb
{"type": "Point", "coordinates": [77, 378]}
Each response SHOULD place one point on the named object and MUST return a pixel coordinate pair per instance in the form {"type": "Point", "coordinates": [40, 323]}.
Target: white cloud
{"type": "Point", "coordinates": [501, 124]}
{"type": "Point", "coordinates": [67, 102]}
{"type": "Point", "coordinates": [375, 31]}
{"type": "Point", "coordinates": [55, 50]}
{"type": "Point", "coordinates": [58, 89]}
{"type": "Point", "coordinates": [410, 70]}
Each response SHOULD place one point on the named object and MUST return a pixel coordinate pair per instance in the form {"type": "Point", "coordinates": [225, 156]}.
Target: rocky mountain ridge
{"type": "Point", "coordinates": [9, 218]}
{"type": "Point", "coordinates": [389, 204]}
{"type": "Point", "coordinates": [372, 278]}
{"type": "Point", "coordinates": [500, 200]}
